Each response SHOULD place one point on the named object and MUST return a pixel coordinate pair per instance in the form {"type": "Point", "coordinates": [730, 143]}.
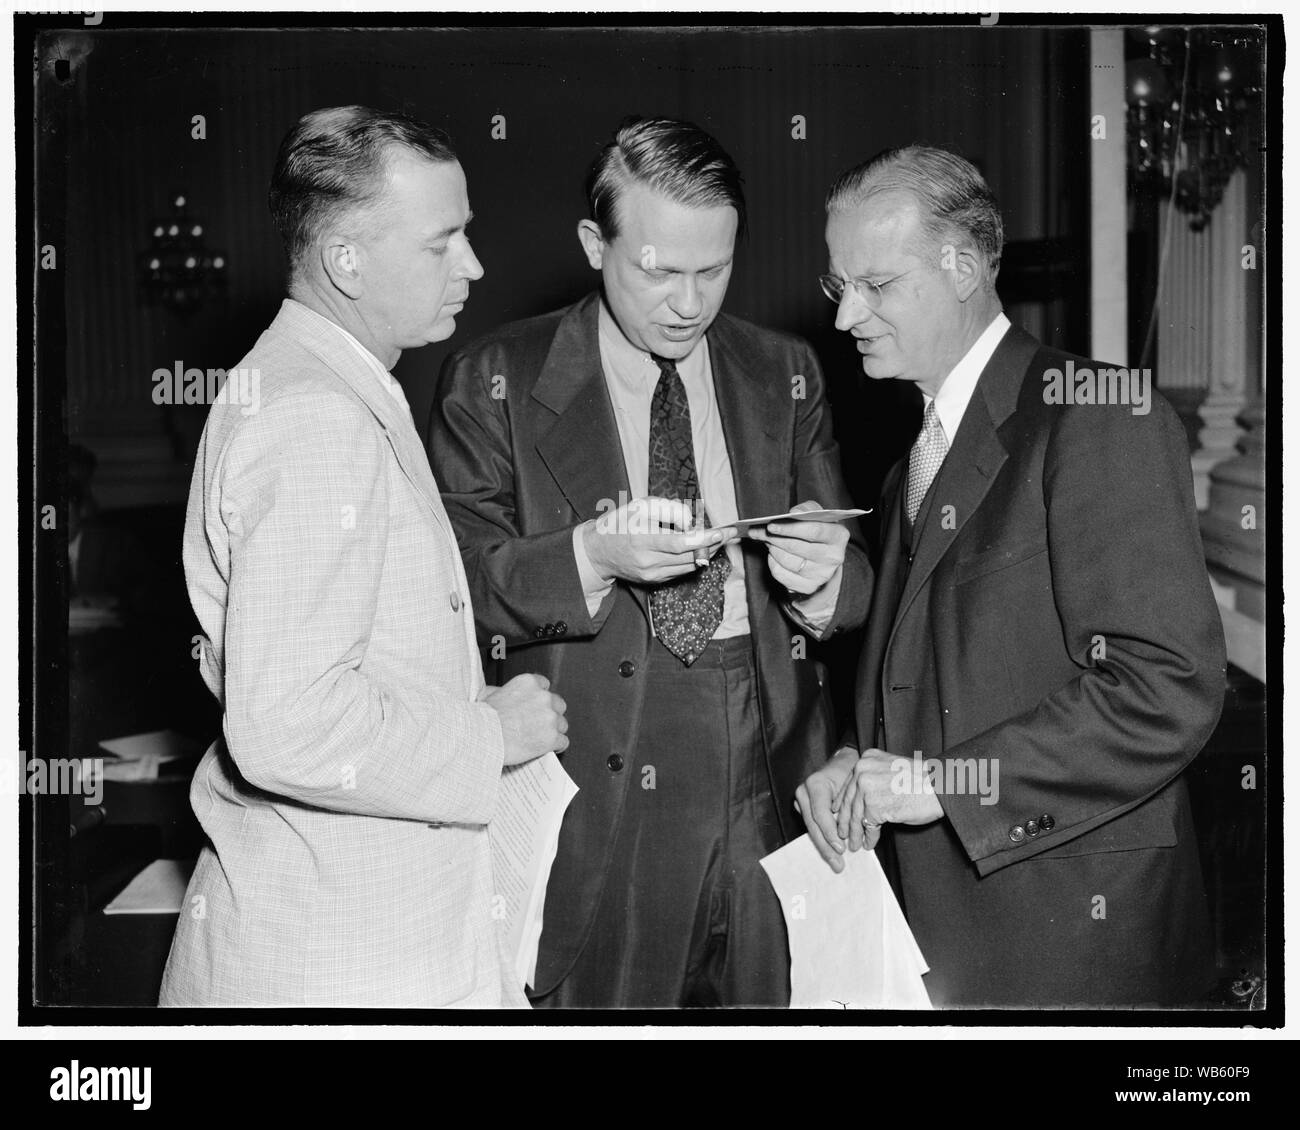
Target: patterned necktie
{"type": "Point", "coordinates": [926, 459]}
{"type": "Point", "coordinates": [688, 610]}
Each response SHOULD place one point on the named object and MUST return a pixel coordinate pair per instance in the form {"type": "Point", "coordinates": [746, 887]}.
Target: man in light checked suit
{"type": "Point", "coordinates": [346, 806]}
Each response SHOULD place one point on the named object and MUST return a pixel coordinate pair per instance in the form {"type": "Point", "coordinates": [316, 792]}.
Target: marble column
{"type": "Point", "coordinates": [1204, 363]}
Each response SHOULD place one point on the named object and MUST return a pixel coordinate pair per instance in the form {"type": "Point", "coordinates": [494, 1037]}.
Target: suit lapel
{"type": "Point", "coordinates": [581, 449]}
{"type": "Point", "coordinates": [329, 346]}
{"type": "Point", "coordinates": [750, 406]}
{"type": "Point", "coordinates": [885, 599]}
{"type": "Point", "coordinates": [972, 463]}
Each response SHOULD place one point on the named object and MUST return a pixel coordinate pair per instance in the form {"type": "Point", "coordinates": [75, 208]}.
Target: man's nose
{"type": "Point", "coordinates": [852, 309]}
{"type": "Point", "coordinates": [685, 300]}
{"type": "Point", "coordinates": [471, 268]}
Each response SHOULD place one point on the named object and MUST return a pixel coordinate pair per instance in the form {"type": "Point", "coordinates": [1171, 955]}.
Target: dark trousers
{"type": "Point", "coordinates": [687, 916]}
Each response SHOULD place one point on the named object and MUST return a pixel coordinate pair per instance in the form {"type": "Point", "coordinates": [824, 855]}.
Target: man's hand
{"type": "Point", "coordinates": [883, 789]}
{"type": "Point", "coordinates": [814, 800]}
{"type": "Point", "coordinates": [646, 540]}
{"type": "Point", "coordinates": [532, 719]}
{"type": "Point", "coordinates": [803, 556]}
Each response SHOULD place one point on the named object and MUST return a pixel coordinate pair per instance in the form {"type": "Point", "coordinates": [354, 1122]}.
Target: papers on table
{"type": "Point", "coordinates": [158, 889]}
{"type": "Point", "coordinates": [850, 946]}
{"type": "Point", "coordinates": [743, 524]}
{"type": "Point", "coordinates": [138, 756]}
{"type": "Point", "coordinates": [525, 834]}
{"type": "Point", "coordinates": [89, 615]}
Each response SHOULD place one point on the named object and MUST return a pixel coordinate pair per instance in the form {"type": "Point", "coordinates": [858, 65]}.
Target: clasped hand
{"type": "Point", "coordinates": [844, 803]}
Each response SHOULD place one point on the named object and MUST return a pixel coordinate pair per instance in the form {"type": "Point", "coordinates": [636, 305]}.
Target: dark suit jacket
{"type": "Point", "coordinates": [1061, 622]}
{"type": "Point", "coordinates": [519, 469]}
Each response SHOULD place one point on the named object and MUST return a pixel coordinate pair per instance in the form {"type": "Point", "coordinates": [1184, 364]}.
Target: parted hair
{"type": "Point", "coordinates": [953, 195]}
{"type": "Point", "coordinates": [674, 157]}
{"type": "Point", "coordinates": [332, 161]}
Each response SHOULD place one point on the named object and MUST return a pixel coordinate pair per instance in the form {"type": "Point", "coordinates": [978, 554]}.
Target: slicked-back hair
{"type": "Point", "coordinates": [333, 161]}
{"type": "Point", "coordinates": [954, 197]}
{"type": "Point", "coordinates": [673, 157]}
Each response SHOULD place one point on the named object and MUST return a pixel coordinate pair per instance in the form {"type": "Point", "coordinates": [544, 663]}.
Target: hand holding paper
{"type": "Point", "coordinates": [804, 550]}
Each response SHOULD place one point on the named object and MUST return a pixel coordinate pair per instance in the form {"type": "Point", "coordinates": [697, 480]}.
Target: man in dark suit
{"type": "Point", "coordinates": [579, 454]}
{"type": "Point", "coordinates": [1043, 655]}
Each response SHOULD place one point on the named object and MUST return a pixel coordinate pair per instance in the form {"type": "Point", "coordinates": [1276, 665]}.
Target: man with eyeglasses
{"type": "Point", "coordinates": [575, 452]}
{"type": "Point", "coordinates": [1043, 656]}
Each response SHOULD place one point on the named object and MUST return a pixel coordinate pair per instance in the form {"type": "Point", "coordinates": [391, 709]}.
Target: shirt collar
{"type": "Point", "coordinates": [632, 366]}
{"type": "Point", "coordinates": [372, 362]}
{"type": "Point", "coordinates": [959, 386]}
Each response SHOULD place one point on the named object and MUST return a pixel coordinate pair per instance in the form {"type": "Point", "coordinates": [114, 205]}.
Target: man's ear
{"type": "Point", "coordinates": [968, 269]}
{"type": "Point", "coordinates": [340, 259]}
{"type": "Point", "coordinates": [593, 243]}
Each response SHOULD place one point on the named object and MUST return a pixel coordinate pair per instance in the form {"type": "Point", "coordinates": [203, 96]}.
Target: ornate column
{"type": "Point", "coordinates": [1204, 361]}
{"type": "Point", "coordinates": [1229, 462]}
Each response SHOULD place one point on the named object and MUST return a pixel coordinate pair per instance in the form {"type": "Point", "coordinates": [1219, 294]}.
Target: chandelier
{"type": "Point", "coordinates": [177, 270]}
{"type": "Point", "coordinates": [1194, 96]}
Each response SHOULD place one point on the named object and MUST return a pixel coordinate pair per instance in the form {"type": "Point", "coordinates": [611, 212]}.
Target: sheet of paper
{"type": "Point", "coordinates": [743, 524]}
{"type": "Point", "coordinates": [88, 616]}
{"type": "Point", "coordinates": [162, 745]}
{"type": "Point", "coordinates": [138, 756]}
{"type": "Point", "coordinates": [158, 889]}
{"type": "Point", "coordinates": [850, 946]}
{"type": "Point", "coordinates": [525, 835]}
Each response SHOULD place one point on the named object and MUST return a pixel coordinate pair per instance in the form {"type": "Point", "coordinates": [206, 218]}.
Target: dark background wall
{"type": "Point", "coordinates": [1010, 101]}
{"type": "Point", "coordinates": [114, 143]}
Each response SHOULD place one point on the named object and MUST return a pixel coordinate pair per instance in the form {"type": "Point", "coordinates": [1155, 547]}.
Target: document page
{"type": "Point", "coordinates": [850, 946]}
{"type": "Point", "coordinates": [525, 834]}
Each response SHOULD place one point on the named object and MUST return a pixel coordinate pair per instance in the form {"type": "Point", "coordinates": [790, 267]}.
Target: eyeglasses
{"type": "Point", "coordinates": [873, 294]}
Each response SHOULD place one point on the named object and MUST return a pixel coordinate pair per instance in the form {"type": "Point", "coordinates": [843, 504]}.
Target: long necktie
{"type": "Point", "coordinates": [688, 610]}
{"type": "Point", "coordinates": [926, 459]}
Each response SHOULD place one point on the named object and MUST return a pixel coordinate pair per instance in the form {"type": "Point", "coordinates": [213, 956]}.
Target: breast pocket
{"type": "Point", "coordinates": [999, 558]}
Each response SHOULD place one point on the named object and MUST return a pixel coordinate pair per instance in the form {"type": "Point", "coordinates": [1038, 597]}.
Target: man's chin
{"type": "Point", "coordinates": [442, 329]}
{"type": "Point", "coordinates": [673, 348]}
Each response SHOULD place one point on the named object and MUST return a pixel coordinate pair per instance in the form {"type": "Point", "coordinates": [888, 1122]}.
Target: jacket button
{"type": "Point", "coordinates": [1017, 835]}
{"type": "Point", "coordinates": [540, 633]}
{"type": "Point", "coordinates": [549, 631]}
{"type": "Point", "coordinates": [1031, 827]}
{"type": "Point", "coordinates": [615, 762]}
{"type": "Point", "coordinates": [1046, 823]}
{"type": "Point", "coordinates": [561, 628]}
{"type": "Point", "coordinates": [627, 668]}
{"type": "Point", "coordinates": [455, 602]}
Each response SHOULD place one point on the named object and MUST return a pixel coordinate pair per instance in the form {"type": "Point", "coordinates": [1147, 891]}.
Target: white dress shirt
{"type": "Point", "coordinates": [631, 375]}
{"type": "Point", "coordinates": [959, 385]}
{"type": "Point", "coordinates": [376, 366]}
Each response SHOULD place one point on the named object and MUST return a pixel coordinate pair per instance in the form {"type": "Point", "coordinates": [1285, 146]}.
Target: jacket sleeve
{"type": "Point", "coordinates": [305, 499]}
{"type": "Point", "coordinates": [1131, 590]}
{"type": "Point", "coordinates": [520, 582]}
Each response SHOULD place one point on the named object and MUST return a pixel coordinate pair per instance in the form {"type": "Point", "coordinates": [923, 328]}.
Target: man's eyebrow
{"type": "Point", "coordinates": [868, 275]}
{"type": "Point", "coordinates": [702, 270]}
{"type": "Point", "coordinates": [447, 233]}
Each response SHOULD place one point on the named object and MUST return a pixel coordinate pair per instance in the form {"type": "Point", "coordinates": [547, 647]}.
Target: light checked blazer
{"type": "Point", "coordinates": [346, 805]}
